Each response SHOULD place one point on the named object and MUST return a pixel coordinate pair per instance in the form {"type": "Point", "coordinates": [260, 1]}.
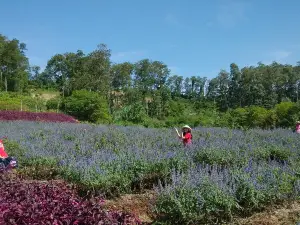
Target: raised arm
{"type": "Point", "coordinates": [180, 136]}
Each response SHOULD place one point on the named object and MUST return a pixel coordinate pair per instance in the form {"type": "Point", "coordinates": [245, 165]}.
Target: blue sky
{"type": "Point", "coordinates": [193, 37]}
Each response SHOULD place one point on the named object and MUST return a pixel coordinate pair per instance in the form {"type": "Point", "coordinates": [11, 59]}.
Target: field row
{"type": "Point", "coordinates": [31, 116]}
{"type": "Point", "coordinates": [23, 202]}
{"type": "Point", "coordinates": [223, 174]}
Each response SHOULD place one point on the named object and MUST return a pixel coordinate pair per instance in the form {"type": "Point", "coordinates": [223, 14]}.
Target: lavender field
{"type": "Point", "coordinates": [225, 173]}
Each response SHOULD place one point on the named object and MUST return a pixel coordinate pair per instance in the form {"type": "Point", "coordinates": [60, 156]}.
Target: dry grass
{"type": "Point", "coordinates": [138, 204]}
{"type": "Point", "coordinates": [285, 214]}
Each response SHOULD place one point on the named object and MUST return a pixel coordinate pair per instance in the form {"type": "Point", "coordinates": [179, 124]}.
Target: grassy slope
{"type": "Point", "coordinates": [34, 101]}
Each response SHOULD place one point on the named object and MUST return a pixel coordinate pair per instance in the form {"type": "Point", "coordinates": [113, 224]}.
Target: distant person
{"type": "Point", "coordinates": [186, 135]}
{"type": "Point", "coordinates": [297, 130]}
{"type": "Point", "coordinates": [6, 162]}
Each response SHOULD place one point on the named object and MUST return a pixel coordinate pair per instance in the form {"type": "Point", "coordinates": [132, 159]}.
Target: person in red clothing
{"type": "Point", "coordinates": [3, 153]}
{"type": "Point", "coordinates": [186, 135]}
{"type": "Point", "coordinates": [297, 129]}
{"type": "Point", "coordinates": [6, 162]}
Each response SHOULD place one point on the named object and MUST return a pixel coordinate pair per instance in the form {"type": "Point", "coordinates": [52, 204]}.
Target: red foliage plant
{"type": "Point", "coordinates": [23, 202]}
{"type": "Point", "coordinates": [31, 116]}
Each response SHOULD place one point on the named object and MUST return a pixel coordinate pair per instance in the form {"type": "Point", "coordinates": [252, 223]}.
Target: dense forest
{"type": "Point", "coordinates": [94, 89]}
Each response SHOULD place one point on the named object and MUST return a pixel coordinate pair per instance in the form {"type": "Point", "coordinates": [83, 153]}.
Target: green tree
{"type": "Point", "coordinates": [134, 113]}
{"type": "Point", "coordinates": [175, 84]}
{"type": "Point", "coordinates": [150, 75]}
{"type": "Point", "coordinates": [121, 75]}
{"type": "Point", "coordinates": [282, 111]}
{"type": "Point", "coordinates": [253, 91]}
{"type": "Point", "coordinates": [187, 87]}
{"type": "Point", "coordinates": [159, 106]}
{"type": "Point", "coordinates": [212, 90]}
{"type": "Point", "coordinates": [14, 66]}
{"type": "Point", "coordinates": [87, 106]}
{"type": "Point", "coordinates": [234, 89]}
{"type": "Point", "coordinates": [258, 117]}
{"type": "Point", "coordinates": [223, 79]}
{"type": "Point", "coordinates": [57, 70]}
{"type": "Point", "coordinates": [97, 67]}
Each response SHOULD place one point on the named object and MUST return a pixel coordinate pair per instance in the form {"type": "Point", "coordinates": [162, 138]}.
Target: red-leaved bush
{"type": "Point", "coordinates": [31, 116]}
{"type": "Point", "coordinates": [23, 202]}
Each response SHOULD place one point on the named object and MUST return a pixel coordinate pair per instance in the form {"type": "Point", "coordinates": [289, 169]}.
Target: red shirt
{"type": "Point", "coordinates": [298, 128]}
{"type": "Point", "coordinates": [187, 139]}
{"type": "Point", "coordinates": [3, 154]}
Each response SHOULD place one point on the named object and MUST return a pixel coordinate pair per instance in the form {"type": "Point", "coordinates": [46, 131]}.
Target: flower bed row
{"type": "Point", "coordinates": [31, 116]}
{"type": "Point", "coordinates": [23, 202]}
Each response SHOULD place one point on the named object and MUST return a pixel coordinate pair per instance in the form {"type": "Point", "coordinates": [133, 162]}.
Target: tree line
{"type": "Point", "coordinates": [144, 90]}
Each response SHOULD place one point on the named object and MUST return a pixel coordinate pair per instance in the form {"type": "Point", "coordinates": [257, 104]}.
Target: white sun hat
{"type": "Point", "coordinates": [186, 126]}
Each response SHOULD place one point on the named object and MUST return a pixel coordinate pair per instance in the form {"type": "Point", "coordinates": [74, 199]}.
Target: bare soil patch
{"type": "Point", "coordinates": [285, 214]}
{"type": "Point", "coordinates": [138, 204]}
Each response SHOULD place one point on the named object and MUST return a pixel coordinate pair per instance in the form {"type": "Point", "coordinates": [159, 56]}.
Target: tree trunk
{"type": "Point", "coordinates": [5, 83]}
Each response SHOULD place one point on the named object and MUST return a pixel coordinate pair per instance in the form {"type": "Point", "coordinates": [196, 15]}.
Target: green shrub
{"type": "Point", "coordinates": [261, 154]}
{"type": "Point", "coordinates": [247, 195]}
{"type": "Point", "coordinates": [41, 168]}
{"type": "Point", "coordinates": [215, 157]}
{"type": "Point", "coordinates": [87, 106]}
{"type": "Point", "coordinates": [153, 123]}
{"type": "Point", "coordinates": [134, 113]}
{"type": "Point", "coordinates": [257, 116]}
{"type": "Point", "coordinates": [53, 104]}
{"type": "Point", "coordinates": [199, 205]}
{"type": "Point", "coordinates": [283, 114]}
{"type": "Point", "coordinates": [279, 153]}
{"type": "Point", "coordinates": [238, 118]}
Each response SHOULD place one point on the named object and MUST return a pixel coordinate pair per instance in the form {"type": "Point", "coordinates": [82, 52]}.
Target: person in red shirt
{"type": "Point", "coordinates": [186, 135]}
{"type": "Point", "coordinates": [3, 153]}
{"type": "Point", "coordinates": [297, 129]}
{"type": "Point", "coordinates": [6, 162]}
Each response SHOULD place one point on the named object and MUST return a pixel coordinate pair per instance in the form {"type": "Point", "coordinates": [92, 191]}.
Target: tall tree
{"type": "Point", "coordinates": [187, 87]}
{"type": "Point", "coordinates": [175, 84]}
{"type": "Point", "coordinates": [97, 71]}
{"type": "Point", "coordinates": [234, 90]}
{"type": "Point", "coordinates": [268, 84]}
{"type": "Point", "coordinates": [212, 90]}
{"type": "Point", "coordinates": [253, 91]}
{"type": "Point", "coordinates": [142, 76]}
{"type": "Point", "coordinates": [149, 76]}
{"type": "Point", "coordinates": [121, 75]}
{"type": "Point", "coordinates": [223, 80]}
{"type": "Point", "coordinates": [58, 71]}
{"type": "Point", "coordinates": [14, 66]}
